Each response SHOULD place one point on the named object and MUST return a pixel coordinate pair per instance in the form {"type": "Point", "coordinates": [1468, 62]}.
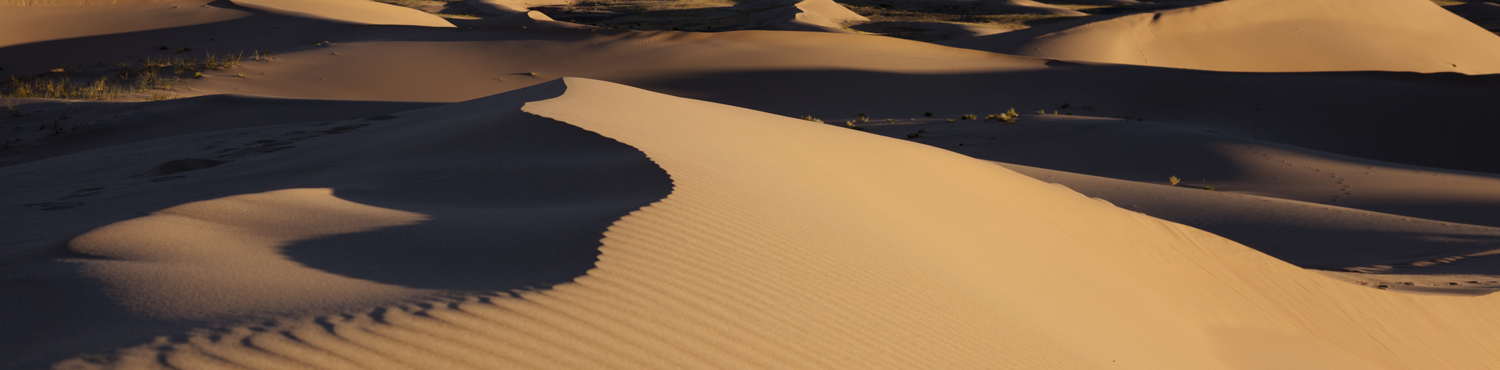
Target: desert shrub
{"type": "Point", "coordinates": [1209, 188]}
{"type": "Point", "coordinates": [121, 80]}
{"type": "Point", "coordinates": [851, 125]}
{"type": "Point", "coordinates": [1174, 180]}
{"type": "Point", "coordinates": [1007, 117]}
{"type": "Point", "coordinates": [812, 119]}
{"type": "Point", "coordinates": [968, 116]}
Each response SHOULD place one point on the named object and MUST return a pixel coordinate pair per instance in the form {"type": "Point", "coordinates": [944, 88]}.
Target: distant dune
{"type": "Point", "coordinates": [1246, 184]}
{"type": "Point", "coordinates": [1270, 36]}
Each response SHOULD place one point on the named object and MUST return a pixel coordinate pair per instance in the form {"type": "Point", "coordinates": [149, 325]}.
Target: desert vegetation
{"type": "Point", "coordinates": [150, 78]}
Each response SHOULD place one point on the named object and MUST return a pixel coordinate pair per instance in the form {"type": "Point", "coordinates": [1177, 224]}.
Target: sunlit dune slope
{"type": "Point", "coordinates": [352, 11]}
{"type": "Point", "coordinates": [789, 244]}
{"type": "Point", "coordinates": [1271, 36]}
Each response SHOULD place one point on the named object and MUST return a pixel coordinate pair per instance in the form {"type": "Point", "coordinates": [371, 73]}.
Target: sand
{"type": "Point", "coordinates": [386, 191]}
{"type": "Point", "coordinates": [1270, 36]}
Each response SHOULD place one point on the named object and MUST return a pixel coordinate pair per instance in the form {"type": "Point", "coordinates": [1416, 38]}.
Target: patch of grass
{"type": "Point", "coordinates": [1006, 117]}
{"type": "Point", "coordinates": [146, 76]}
{"type": "Point", "coordinates": [1209, 188]}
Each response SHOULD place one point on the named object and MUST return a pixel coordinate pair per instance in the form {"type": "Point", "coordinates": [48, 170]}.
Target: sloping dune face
{"type": "Point", "coordinates": [292, 220]}
{"type": "Point", "coordinates": [351, 11]}
{"type": "Point", "coordinates": [1273, 36]}
{"type": "Point", "coordinates": [785, 244]}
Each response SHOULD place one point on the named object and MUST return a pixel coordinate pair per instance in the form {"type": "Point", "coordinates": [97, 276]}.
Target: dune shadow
{"type": "Point", "coordinates": [520, 202]}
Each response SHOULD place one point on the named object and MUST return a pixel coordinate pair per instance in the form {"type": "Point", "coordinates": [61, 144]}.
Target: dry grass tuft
{"type": "Point", "coordinates": [149, 78]}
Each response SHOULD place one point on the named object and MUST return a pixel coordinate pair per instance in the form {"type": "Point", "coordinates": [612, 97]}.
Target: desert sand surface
{"type": "Point", "coordinates": [350, 184]}
{"type": "Point", "coordinates": [1270, 36]}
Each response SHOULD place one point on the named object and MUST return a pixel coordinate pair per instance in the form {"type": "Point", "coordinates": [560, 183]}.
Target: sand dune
{"type": "Point", "coordinates": [387, 191]}
{"type": "Point", "coordinates": [22, 25]}
{"type": "Point", "coordinates": [923, 265]}
{"type": "Point", "coordinates": [505, 7]}
{"type": "Point", "coordinates": [1271, 36]}
{"type": "Point", "coordinates": [802, 15]}
{"type": "Point", "coordinates": [78, 127]}
{"type": "Point", "coordinates": [352, 11]}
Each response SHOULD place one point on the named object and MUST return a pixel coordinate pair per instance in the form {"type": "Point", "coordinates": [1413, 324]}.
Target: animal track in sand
{"type": "Point", "coordinates": [1343, 182]}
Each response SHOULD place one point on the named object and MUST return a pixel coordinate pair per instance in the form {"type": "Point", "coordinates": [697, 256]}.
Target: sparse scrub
{"type": "Point", "coordinates": [1209, 188]}
{"type": "Point", "coordinates": [147, 75]}
{"type": "Point", "coordinates": [926, 114]}
{"type": "Point", "coordinates": [851, 125]}
{"type": "Point", "coordinates": [1174, 180]}
{"type": "Point", "coordinates": [915, 135]}
{"type": "Point", "coordinates": [12, 109]}
{"type": "Point", "coordinates": [1008, 117]}
{"type": "Point", "coordinates": [968, 117]}
{"type": "Point", "coordinates": [813, 119]}
{"type": "Point", "coordinates": [950, 120]}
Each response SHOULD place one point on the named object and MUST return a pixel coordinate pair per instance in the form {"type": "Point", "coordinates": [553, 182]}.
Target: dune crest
{"type": "Point", "coordinates": [803, 15]}
{"type": "Point", "coordinates": [350, 11]}
{"type": "Point", "coordinates": [1271, 36]}
{"type": "Point", "coordinates": [786, 244]}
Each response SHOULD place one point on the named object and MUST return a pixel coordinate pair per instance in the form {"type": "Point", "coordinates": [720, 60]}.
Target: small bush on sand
{"type": "Point", "coordinates": [812, 119]}
{"type": "Point", "coordinates": [1007, 117]}
{"type": "Point", "coordinates": [968, 117]}
{"type": "Point", "coordinates": [122, 80]}
{"type": "Point", "coordinates": [1174, 180]}
{"type": "Point", "coordinates": [851, 125]}
{"type": "Point", "coordinates": [926, 114]}
{"type": "Point", "coordinates": [1209, 188]}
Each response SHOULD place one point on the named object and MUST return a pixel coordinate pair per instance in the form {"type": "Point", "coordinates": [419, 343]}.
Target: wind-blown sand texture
{"type": "Point", "coordinates": [386, 193]}
{"type": "Point", "coordinates": [1270, 36]}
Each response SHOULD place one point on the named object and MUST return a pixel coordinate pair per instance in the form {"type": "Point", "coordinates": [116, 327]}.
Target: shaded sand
{"type": "Point", "coordinates": [786, 244]}
{"type": "Point", "coordinates": [352, 11]}
{"type": "Point", "coordinates": [506, 7]}
{"type": "Point", "coordinates": [22, 25]}
{"type": "Point", "coordinates": [1310, 235]}
{"type": "Point", "coordinates": [1310, 208]}
{"type": "Point", "coordinates": [257, 223]}
{"type": "Point", "coordinates": [1270, 36]}
{"type": "Point", "coordinates": [827, 75]}
{"type": "Point", "coordinates": [75, 127]}
{"type": "Point", "coordinates": [802, 15]}
{"type": "Point", "coordinates": [73, 2]}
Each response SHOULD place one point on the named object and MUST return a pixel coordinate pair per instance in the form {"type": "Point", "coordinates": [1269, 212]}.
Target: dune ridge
{"type": "Point", "coordinates": [914, 260]}
{"type": "Point", "coordinates": [351, 11]}
{"type": "Point", "coordinates": [1270, 36]}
